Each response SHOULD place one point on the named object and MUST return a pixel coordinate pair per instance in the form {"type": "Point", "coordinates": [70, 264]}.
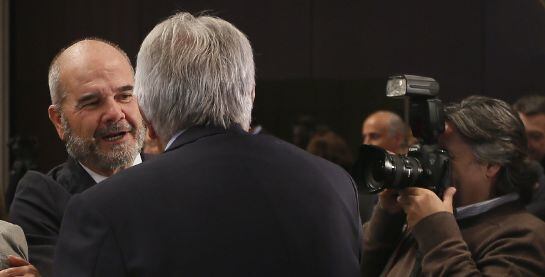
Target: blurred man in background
{"type": "Point", "coordinates": [531, 110]}
{"type": "Point", "coordinates": [386, 130]}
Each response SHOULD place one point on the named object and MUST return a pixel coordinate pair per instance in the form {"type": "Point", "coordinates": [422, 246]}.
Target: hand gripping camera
{"type": "Point", "coordinates": [425, 165]}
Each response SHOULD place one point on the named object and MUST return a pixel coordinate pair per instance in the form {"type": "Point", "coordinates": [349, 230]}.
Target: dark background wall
{"type": "Point", "coordinates": [329, 59]}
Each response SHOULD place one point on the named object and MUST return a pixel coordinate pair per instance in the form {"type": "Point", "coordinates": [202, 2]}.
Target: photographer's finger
{"type": "Point", "coordinates": [448, 197]}
{"type": "Point", "coordinates": [413, 191]}
{"type": "Point", "coordinates": [404, 200]}
{"type": "Point", "coordinates": [16, 261]}
{"type": "Point", "coordinates": [389, 193]}
{"type": "Point", "coordinates": [13, 271]}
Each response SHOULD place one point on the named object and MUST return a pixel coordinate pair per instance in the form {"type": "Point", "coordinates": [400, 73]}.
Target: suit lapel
{"type": "Point", "coordinates": [76, 177]}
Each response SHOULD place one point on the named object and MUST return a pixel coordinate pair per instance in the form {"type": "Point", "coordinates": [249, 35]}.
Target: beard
{"type": "Point", "coordinates": [87, 150]}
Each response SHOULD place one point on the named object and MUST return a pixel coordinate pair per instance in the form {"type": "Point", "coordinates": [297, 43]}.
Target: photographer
{"type": "Point", "coordinates": [413, 232]}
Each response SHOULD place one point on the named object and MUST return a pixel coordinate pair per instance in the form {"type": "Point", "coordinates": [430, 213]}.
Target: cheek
{"type": "Point", "coordinates": [88, 128]}
{"type": "Point", "coordinates": [84, 125]}
{"type": "Point", "coordinates": [458, 176]}
{"type": "Point", "coordinates": [132, 114]}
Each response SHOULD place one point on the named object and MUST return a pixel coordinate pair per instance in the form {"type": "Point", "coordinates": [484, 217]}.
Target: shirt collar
{"type": "Point", "coordinates": [171, 141]}
{"type": "Point", "coordinates": [484, 206]}
{"type": "Point", "coordinates": [99, 178]}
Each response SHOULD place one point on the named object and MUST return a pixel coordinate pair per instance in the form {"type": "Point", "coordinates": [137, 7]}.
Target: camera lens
{"type": "Point", "coordinates": [377, 170]}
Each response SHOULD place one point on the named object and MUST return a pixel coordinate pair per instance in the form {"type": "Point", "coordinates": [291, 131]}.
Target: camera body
{"type": "Point", "coordinates": [426, 164]}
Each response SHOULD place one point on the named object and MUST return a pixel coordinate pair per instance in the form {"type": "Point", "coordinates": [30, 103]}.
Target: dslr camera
{"type": "Point", "coordinates": [426, 164]}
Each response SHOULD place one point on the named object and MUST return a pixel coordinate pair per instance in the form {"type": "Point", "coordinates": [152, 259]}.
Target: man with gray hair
{"type": "Point", "coordinates": [490, 233]}
{"type": "Point", "coordinates": [219, 201]}
{"type": "Point", "coordinates": [96, 115]}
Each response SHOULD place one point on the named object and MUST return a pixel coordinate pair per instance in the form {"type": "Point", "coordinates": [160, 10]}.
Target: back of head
{"type": "Point", "coordinates": [330, 146]}
{"type": "Point", "coordinates": [302, 131]}
{"type": "Point", "coordinates": [195, 71]}
{"type": "Point", "coordinates": [496, 136]}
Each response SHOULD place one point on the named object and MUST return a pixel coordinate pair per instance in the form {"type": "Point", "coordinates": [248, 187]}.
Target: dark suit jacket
{"type": "Point", "coordinates": [39, 205]}
{"type": "Point", "coordinates": [216, 203]}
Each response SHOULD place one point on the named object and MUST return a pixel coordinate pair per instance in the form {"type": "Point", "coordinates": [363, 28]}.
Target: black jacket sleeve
{"type": "Point", "coordinates": [38, 208]}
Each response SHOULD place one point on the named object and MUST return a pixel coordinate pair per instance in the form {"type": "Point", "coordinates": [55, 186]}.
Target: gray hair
{"type": "Point", "coordinates": [56, 89]}
{"type": "Point", "coordinates": [496, 135]}
{"type": "Point", "coordinates": [195, 71]}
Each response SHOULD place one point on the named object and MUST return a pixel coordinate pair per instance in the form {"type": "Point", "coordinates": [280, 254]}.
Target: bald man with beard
{"type": "Point", "coordinates": [96, 115]}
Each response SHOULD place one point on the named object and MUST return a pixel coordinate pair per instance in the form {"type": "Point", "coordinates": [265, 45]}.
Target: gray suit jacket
{"type": "Point", "coordinates": [12, 242]}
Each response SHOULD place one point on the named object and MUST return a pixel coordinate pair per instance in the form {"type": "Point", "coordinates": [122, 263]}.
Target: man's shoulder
{"type": "Point", "coordinates": [521, 219]}
{"type": "Point", "coordinates": [289, 149]}
{"type": "Point", "coordinates": [508, 221]}
{"type": "Point", "coordinates": [71, 176]}
{"type": "Point", "coordinates": [37, 180]}
{"type": "Point", "coordinates": [65, 177]}
{"type": "Point", "coordinates": [260, 154]}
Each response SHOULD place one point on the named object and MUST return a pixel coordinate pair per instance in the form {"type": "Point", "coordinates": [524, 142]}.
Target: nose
{"type": "Point", "coordinates": [113, 111]}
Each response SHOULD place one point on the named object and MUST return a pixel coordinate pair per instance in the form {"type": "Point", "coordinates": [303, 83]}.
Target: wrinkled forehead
{"type": "Point", "coordinates": [92, 54]}
{"type": "Point", "coordinates": [98, 68]}
{"type": "Point", "coordinates": [375, 126]}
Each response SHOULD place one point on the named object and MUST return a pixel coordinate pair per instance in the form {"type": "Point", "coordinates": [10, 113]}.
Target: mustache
{"type": "Point", "coordinates": [114, 128]}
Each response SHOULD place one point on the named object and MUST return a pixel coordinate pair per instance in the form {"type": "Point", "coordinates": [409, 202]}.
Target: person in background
{"type": "Point", "coordinates": [302, 131]}
{"type": "Point", "coordinates": [332, 147]}
{"type": "Point", "coordinates": [531, 109]}
{"type": "Point", "coordinates": [386, 130]}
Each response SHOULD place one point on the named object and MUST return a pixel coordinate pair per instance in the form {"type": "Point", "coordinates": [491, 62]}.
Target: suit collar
{"type": "Point", "coordinates": [197, 132]}
{"type": "Point", "coordinates": [72, 176]}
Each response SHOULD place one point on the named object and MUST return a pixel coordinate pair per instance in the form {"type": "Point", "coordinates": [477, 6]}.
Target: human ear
{"type": "Point", "coordinates": [55, 117]}
{"type": "Point", "coordinates": [492, 170]}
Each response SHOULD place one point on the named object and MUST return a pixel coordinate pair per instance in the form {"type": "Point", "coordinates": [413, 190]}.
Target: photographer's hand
{"type": "Point", "coordinates": [19, 267]}
{"type": "Point", "coordinates": [388, 201]}
{"type": "Point", "coordinates": [419, 203]}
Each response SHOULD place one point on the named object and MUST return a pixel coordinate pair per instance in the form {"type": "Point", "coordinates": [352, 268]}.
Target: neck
{"type": "Point", "coordinates": [103, 171]}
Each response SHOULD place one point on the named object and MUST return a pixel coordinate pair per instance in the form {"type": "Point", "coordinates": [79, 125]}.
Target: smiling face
{"type": "Point", "coordinates": [98, 119]}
